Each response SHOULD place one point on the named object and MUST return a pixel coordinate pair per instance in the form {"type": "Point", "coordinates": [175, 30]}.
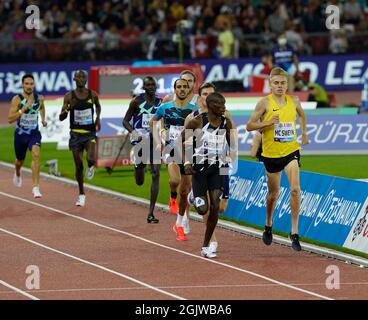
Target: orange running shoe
{"type": "Point", "coordinates": [173, 206]}
{"type": "Point", "coordinates": [180, 236]}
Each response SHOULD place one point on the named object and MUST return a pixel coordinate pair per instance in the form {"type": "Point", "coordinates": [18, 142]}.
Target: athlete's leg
{"type": "Point", "coordinates": [139, 172]}
{"type": "Point", "coordinates": [214, 196]}
{"type": "Point", "coordinates": [273, 184]}
{"type": "Point", "coordinates": [173, 170]}
{"type": "Point", "coordinates": [292, 173]}
{"type": "Point", "coordinates": [155, 186]}
{"type": "Point", "coordinates": [78, 161]}
{"type": "Point", "coordinates": [174, 181]}
{"type": "Point", "coordinates": [184, 189]}
{"type": "Point", "coordinates": [35, 165]}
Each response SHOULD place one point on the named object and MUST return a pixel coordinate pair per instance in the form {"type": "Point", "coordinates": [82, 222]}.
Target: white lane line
{"type": "Point", "coordinates": [167, 247]}
{"type": "Point", "coordinates": [214, 286]}
{"type": "Point", "coordinates": [92, 264]}
{"type": "Point", "coordinates": [5, 284]}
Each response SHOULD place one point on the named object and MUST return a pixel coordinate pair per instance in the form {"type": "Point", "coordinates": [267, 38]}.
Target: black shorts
{"type": "Point", "coordinates": [141, 161]}
{"type": "Point", "coordinates": [274, 165]}
{"type": "Point", "coordinates": [207, 180]}
{"type": "Point", "coordinates": [79, 141]}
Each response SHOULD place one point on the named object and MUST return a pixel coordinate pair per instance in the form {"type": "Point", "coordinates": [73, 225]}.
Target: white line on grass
{"type": "Point", "coordinates": [166, 247]}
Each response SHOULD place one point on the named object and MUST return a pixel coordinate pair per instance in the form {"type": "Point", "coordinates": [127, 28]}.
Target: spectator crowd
{"type": "Point", "coordinates": [145, 29]}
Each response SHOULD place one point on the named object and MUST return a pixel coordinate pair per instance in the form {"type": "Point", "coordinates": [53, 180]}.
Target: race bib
{"type": "Point", "coordinates": [284, 132]}
{"type": "Point", "coordinates": [83, 117]}
{"type": "Point", "coordinates": [215, 142]}
{"type": "Point", "coordinates": [146, 119]}
{"type": "Point", "coordinates": [29, 121]}
{"type": "Point", "coordinates": [175, 132]}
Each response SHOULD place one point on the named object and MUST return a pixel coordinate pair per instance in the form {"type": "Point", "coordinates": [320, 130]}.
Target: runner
{"type": "Point", "coordinates": [212, 131]}
{"type": "Point", "coordinates": [141, 110]}
{"type": "Point", "coordinates": [83, 127]}
{"type": "Point", "coordinates": [275, 115]}
{"type": "Point", "coordinates": [24, 110]}
{"type": "Point", "coordinates": [173, 114]}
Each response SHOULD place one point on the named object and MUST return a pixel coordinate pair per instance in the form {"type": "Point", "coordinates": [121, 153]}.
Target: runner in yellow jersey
{"type": "Point", "coordinates": [275, 114]}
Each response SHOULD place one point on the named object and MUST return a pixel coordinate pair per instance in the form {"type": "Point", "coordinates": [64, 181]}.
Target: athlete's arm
{"type": "Point", "coordinates": [153, 125]}
{"type": "Point", "coordinates": [232, 140]}
{"type": "Point", "coordinates": [257, 139]}
{"type": "Point", "coordinates": [254, 122]}
{"type": "Point", "coordinates": [133, 105]}
{"type": "Point", "coordinates": [188, 131]}
{"type": "Point", "coordinates": [302, 119]}
{"type": "Point", "coordinates": [16, 109]}
{"type": "Point", "coordinates": [98, 110]}
{"type": "Point", "coordinates": [167, 98]}
{"type": "Point", "coordinates": [188, 118]}
{"type": "Point", "coordinates": [66, 106]}
{"type": "Point", "coordinates": [42, 111]}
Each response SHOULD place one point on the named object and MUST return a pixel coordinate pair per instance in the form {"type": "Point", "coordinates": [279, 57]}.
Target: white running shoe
{"type": "Point", "coordinates": [191, 198]}
{"type": "Point", "coordinates": [186, 225]}
{"type": "Point", "coordinates": [81, 201]}
{"type": "Point", "coordinates": [206, 252]}
{"type": "Point", "coordinates": [36, 192]}
{"type": "Point", "coordinates": [17, 180]}
{"type": "Point", "coordinates": [90, 172]}
{"type": "Point", "coordinates": [213, 246]}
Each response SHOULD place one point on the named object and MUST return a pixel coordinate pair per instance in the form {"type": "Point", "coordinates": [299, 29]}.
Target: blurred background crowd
{"type": "Point", "coordinates": [140, 29]}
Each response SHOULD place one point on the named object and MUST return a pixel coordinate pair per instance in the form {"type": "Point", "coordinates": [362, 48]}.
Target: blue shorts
{"type": "Point", "coordinates": [24, 141]}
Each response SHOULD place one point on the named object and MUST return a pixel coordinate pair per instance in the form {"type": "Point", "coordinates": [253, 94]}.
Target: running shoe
{"type": "Point", "coordinates": [207, 253]}
{"type": "Point", "coordinates": [17, 180]}
{"type": "Point", "coordinates": [191, 198]}
{"type": "Point", "coordinates": [173, 206]}
{"type": "Point", "coordinates": [152, 219]}
{"type": "Point", "coordinates": [213, 246]}
{"type": "Point", "coordinates": [267, 235]}
{"type": "Point", "coordinates": [186, 224]}
{"type": "Point", "coordinates": [36, 192]}
{"type": "Point", "coordinates": [180, 236]}
{"type": "Point", "coordinates": [295, 241]}
{"type": "Point", "coordinates": [90, 172]}
{"type": "Point", "coordinates": [81, 201]}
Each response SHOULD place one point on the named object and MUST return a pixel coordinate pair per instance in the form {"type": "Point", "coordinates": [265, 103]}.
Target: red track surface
{"type": "Point", "coordinates": [108, 251]}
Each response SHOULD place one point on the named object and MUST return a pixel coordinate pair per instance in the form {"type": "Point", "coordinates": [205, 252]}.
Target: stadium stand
{"type": "Point", "coordinates": [141, 29]}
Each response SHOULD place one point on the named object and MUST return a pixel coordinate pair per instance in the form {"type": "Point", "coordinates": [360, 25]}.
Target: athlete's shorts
{"type": "Point", "coordinates": [274, 165]}
{"type": "Point", "coordinates": [207, 180]}
{"type": "Point", "coordinates": [140, 162]}
{"type": "Point", "coordinates": [79, 141]}
{"type": "Point", "coordinates": [24, 141]}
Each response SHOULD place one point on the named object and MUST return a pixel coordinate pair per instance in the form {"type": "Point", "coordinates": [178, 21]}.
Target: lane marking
{"type": "Point", "coordinates": [262, 285]}
{"type": "Point", "coordinates": [92, 264]}
{"type": "Point", "coordinates": [24, 293]}
{"type": "Point", "coordinates": [167, 247]}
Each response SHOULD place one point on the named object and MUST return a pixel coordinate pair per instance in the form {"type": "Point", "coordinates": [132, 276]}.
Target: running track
{"type": "Point", "coordinates": [106, 250]}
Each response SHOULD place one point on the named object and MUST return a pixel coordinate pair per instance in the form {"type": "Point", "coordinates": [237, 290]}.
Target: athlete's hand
{"type": "Point", "coordinates": [136, 136]}
{"type": "Point", "coordinates": [44, 123]}
{"type": "Point", "coordinates": [188, 169]}
{"type": "Point", "coordinates": [98, 124]}
{"type": "Point", "coordinates": [275, 119]}
{"type": "Point", "coordinates": [305, 139]}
